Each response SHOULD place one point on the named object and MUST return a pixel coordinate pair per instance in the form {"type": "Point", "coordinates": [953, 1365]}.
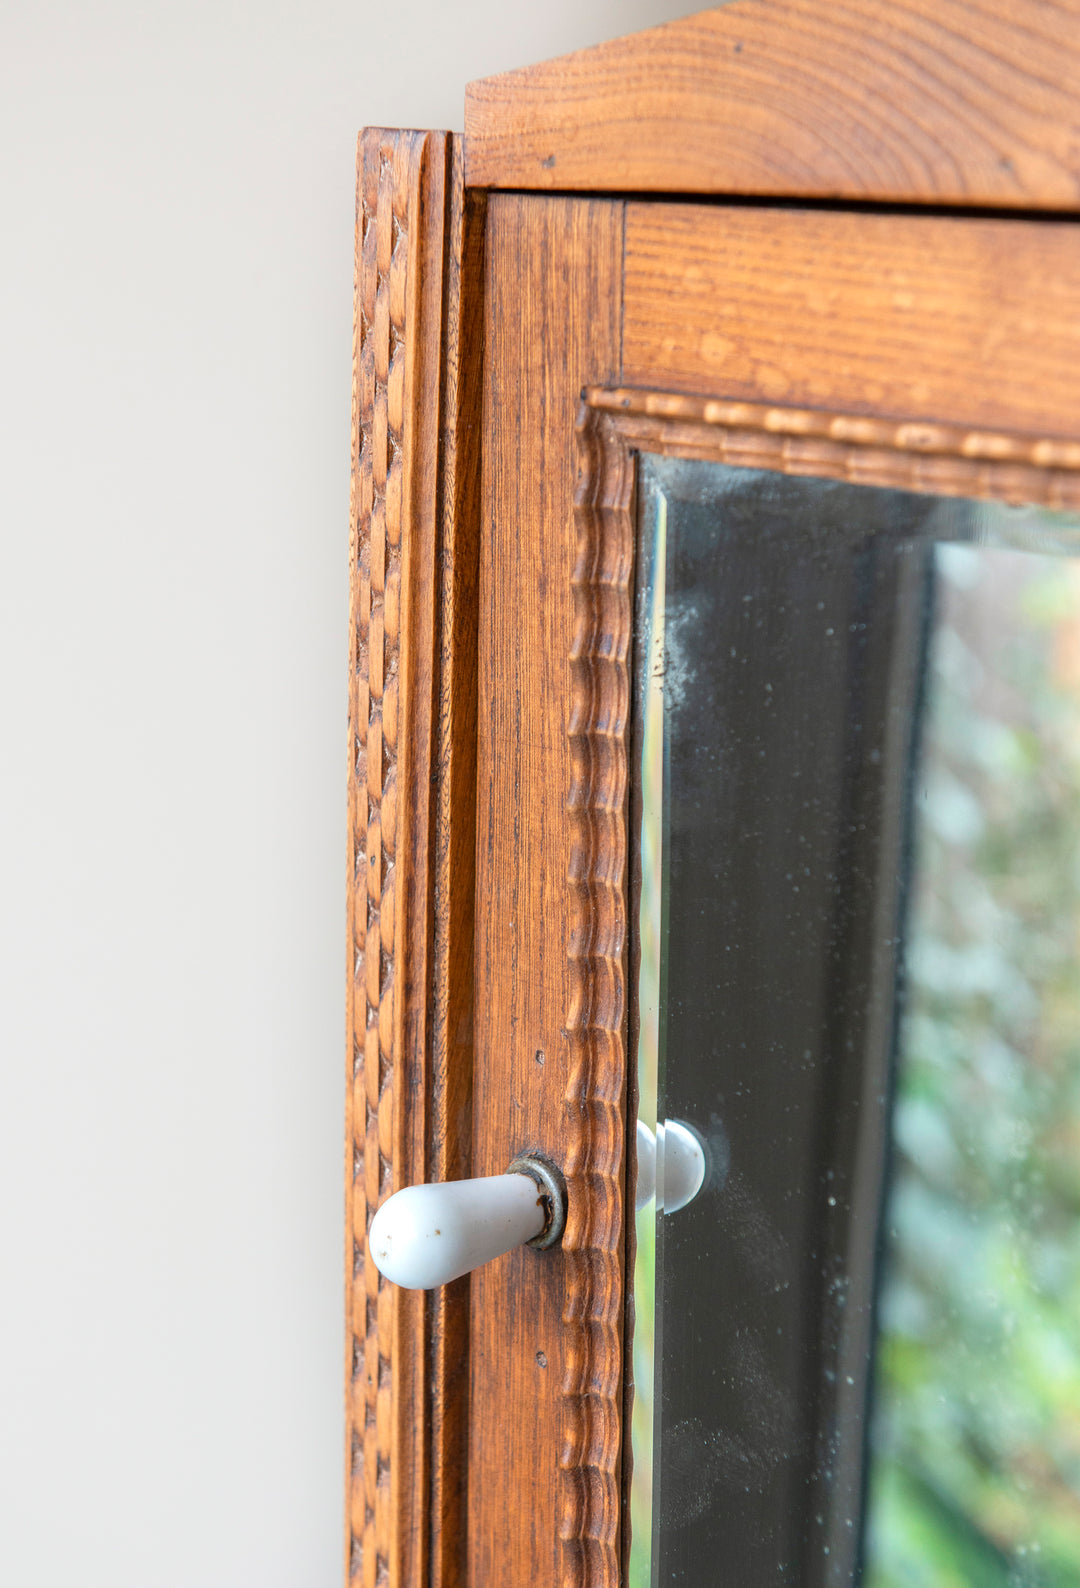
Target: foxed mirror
{"type": "Point", "coordinates": [856, 742]}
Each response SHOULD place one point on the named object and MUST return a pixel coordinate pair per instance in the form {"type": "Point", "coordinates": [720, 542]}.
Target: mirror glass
{"type": "Point", "coordinates": [857, 889]}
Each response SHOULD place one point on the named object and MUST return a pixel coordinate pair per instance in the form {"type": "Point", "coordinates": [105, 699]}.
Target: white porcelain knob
{"type": "Point", "coordinates": [680, 1165]}
{"type": "Point", "coordinates": [427, 1235]}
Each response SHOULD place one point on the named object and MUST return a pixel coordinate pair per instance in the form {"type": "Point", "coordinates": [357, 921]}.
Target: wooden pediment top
{"type": "Point", "coordinates": [971, 102]}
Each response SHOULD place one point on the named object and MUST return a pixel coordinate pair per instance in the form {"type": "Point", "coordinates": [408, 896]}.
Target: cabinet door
{"type": "Point", "coordinates": [584, 359]}
{"type": "Point", "coordinates": [812, 345]}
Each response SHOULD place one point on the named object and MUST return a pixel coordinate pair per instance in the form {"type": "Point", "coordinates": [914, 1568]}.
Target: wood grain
{"type": "Point", "coordinates": [398, 331]}
{"type": "Point", "coordinates": [918, 101]}
{"type": "Point", "coordinates": [958, 320]}
{"type": "Point", "coordinates": [552, 275]}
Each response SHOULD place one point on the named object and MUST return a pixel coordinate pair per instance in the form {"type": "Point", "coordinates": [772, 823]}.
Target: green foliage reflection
{"type": "Point", "coordinates": [976, 1436]}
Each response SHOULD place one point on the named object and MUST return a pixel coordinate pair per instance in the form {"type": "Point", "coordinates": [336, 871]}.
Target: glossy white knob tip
{"type": "Point", "coordinates": [427, 1235]}
{"type": "Point", "coordinates": [680, 1165]}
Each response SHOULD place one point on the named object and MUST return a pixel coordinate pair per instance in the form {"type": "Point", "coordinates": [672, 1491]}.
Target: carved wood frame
{"type": "Point", "coordinates": [613, 426]}
{"type": "Point", "coordinates": [411, 738]}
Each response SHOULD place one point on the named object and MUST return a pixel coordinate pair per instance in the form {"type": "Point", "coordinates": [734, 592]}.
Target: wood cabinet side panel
{"type": "Point", "coordinates": [964, 321]}
{"type": "Point", "coordinates": [552, 287]}
{"type": "Point", "coordinates": [400, 225]}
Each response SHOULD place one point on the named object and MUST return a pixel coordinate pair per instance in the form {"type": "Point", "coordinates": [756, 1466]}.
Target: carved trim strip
{"type": "Point", "coordinates": [378, 432]}
{"type": "Point", "coordinates": [396, 378]}
{"type": "Point", "coordinates": [948, 460]}
{"type": "Point", "coordinates": [596, 1021]}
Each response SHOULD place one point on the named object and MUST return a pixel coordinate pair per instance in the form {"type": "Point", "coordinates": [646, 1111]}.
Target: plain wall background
{"type": "Point", "coordinates": [176, 212]}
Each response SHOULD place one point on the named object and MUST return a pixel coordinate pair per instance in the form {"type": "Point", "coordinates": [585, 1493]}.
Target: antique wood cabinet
{"type": "Point", "coordinates": [829, 241]}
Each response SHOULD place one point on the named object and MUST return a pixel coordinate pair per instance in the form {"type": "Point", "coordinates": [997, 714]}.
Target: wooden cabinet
{"type": "Point", "coordinates": [825, 242]}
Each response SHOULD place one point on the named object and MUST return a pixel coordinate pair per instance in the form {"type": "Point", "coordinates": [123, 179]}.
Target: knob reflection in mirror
{"type": "Point", "coordinates": [680, 1165]}
{"type": "Point", "coordinates": [646, 1165]}
{"type": "Point", "coordinates": [671, 1165]}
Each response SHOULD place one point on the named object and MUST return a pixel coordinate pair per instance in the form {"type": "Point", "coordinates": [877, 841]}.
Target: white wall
{"type": "Point", "coordinates": [176, 207]}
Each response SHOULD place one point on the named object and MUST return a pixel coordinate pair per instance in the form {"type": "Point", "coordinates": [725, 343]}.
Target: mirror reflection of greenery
{"type": "Point", "coordinates": [976, 1435]}
{"type": "Point", "coordinates": [650, 697]}
{"type": "Point", "coordinates": [644, 1406]}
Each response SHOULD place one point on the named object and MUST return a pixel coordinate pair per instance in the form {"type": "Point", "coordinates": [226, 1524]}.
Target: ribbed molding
{"type": "Point", "coordinates": [905, 454]}
{"type": "Point", "coordinates": [596, 1021]}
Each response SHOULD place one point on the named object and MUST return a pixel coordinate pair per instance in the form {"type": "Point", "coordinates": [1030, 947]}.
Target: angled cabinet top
{"type": "Point", "coordinates": [966, 102]}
